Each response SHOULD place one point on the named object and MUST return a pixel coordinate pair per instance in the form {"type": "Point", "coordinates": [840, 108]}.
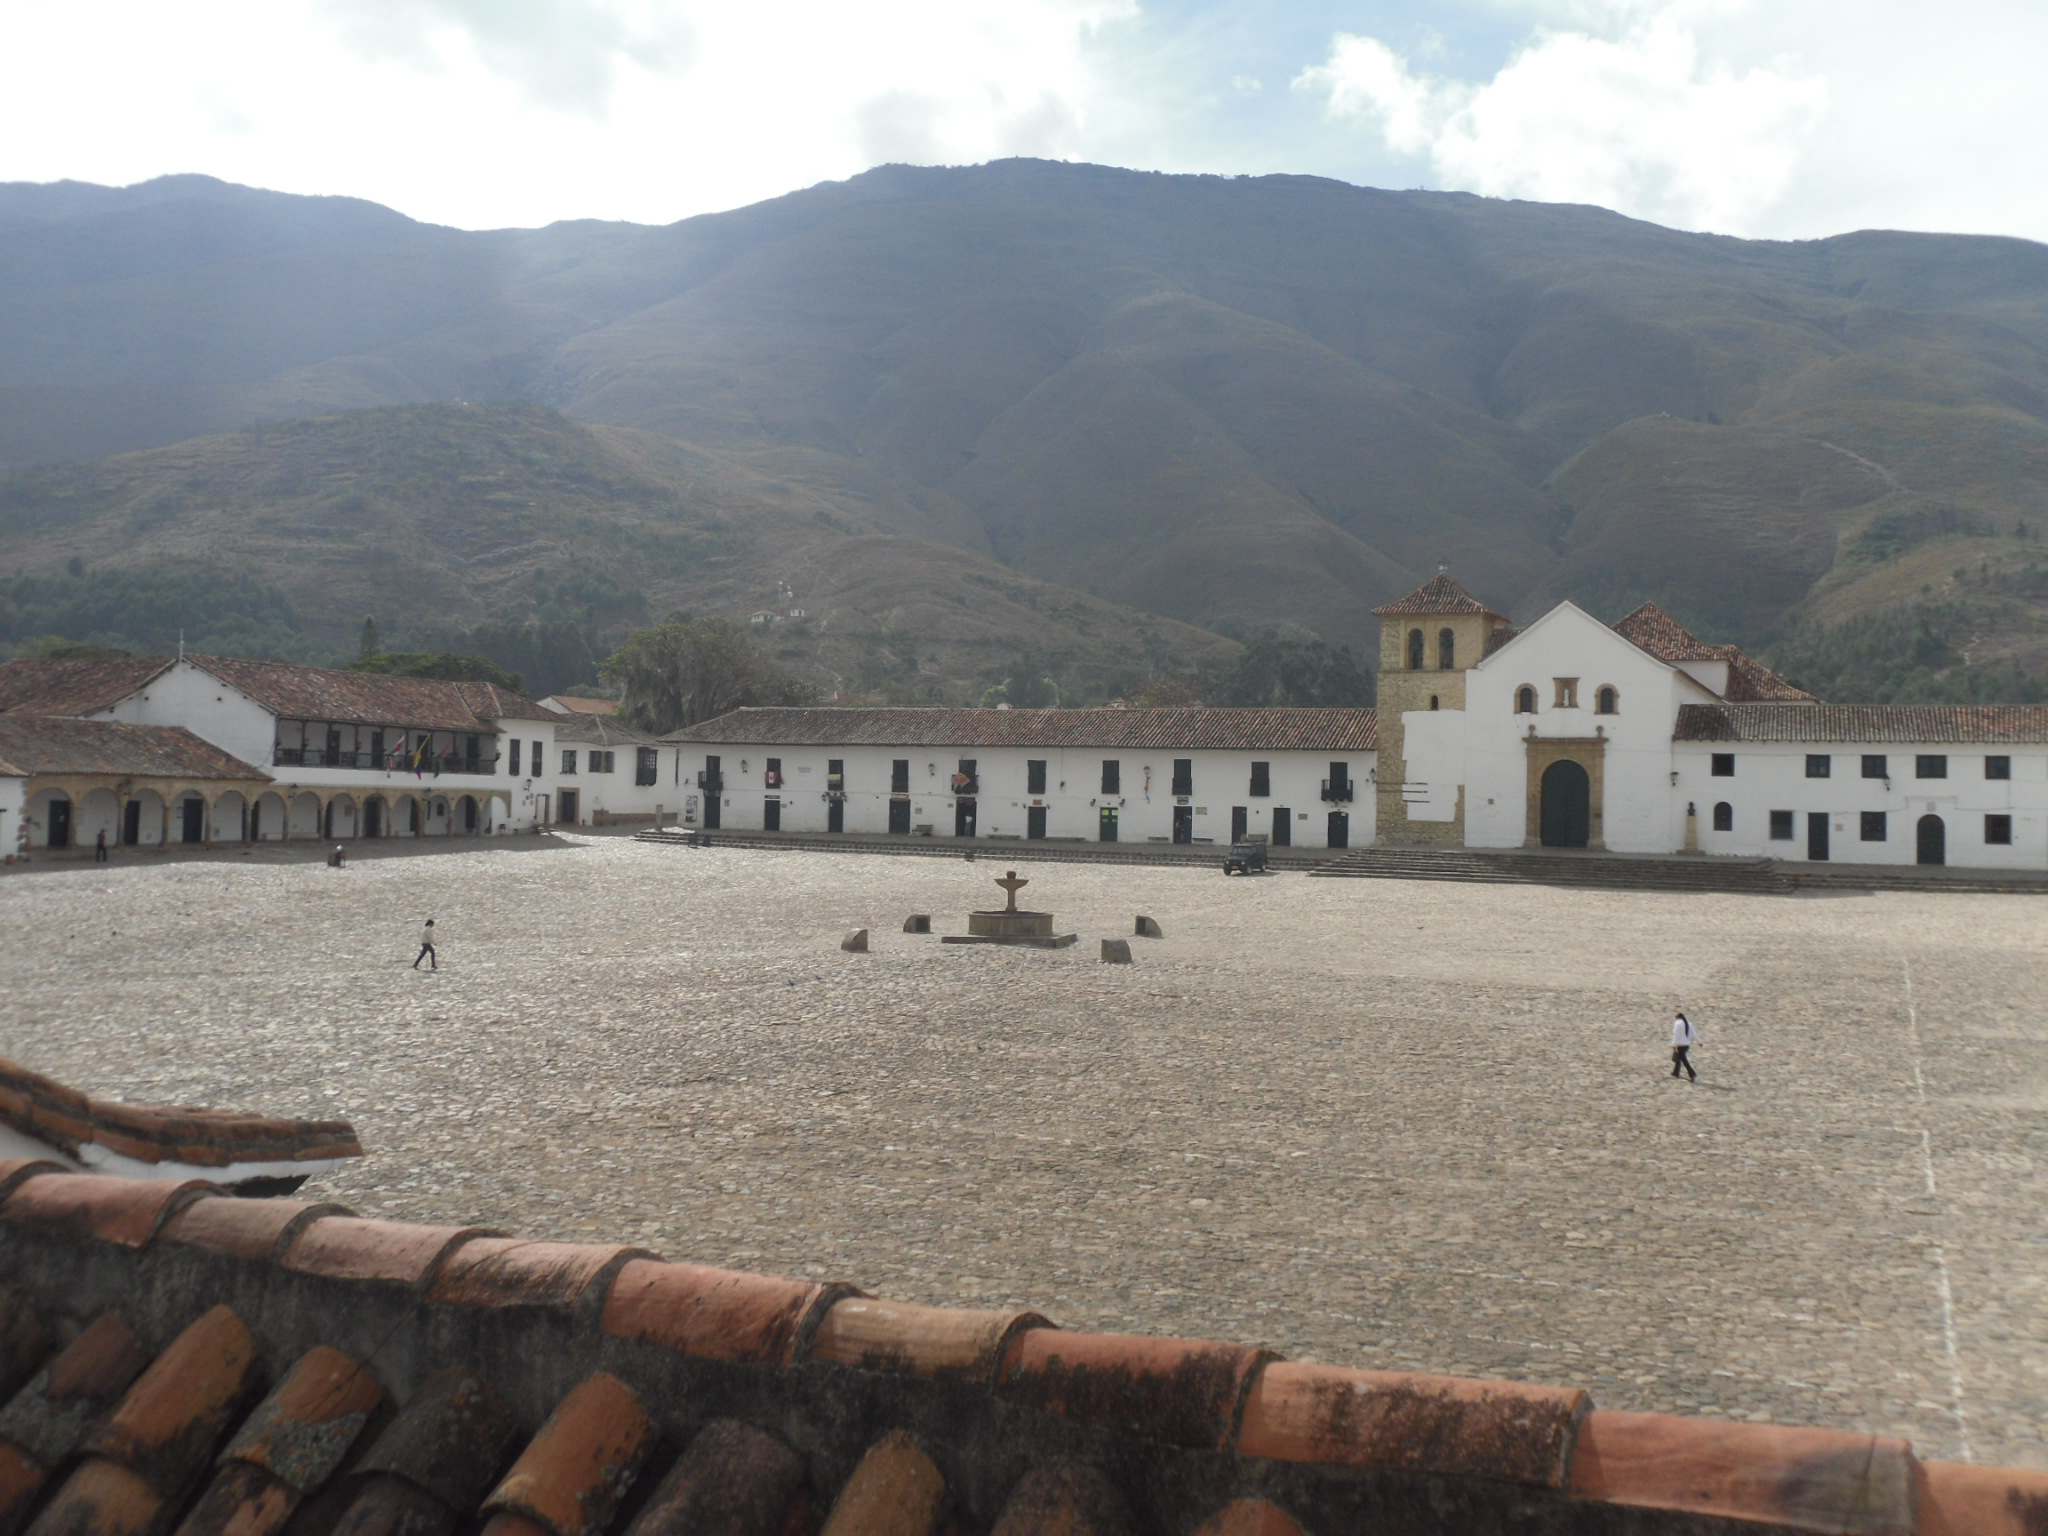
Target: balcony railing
{"type": "Point", "coordinates": [714, 782]}
{"type": "Point", "coordinates": [1340, 790]}
{"type": "Point", "coordinates": [387, 762]}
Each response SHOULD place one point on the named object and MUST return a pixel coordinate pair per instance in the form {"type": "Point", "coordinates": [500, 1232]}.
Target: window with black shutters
{"type": "Point", "coordinates": [646, 764]}
{"type": "Point", "coordinates": [1997, 767]}
{"type": "Point", "coordinates": [1930, 765]}
{"type": "Point", "coordinates": [1034, 776]}
{"type": "Point", "coordinates": [1183, 775]}
{"type": "Point", "coordinates": [515, 758]}
{"type": "Point", "coordinates": [1874, 827]}
{"type": "Point", "coordinates": [1998, 829]}
{"type": "Point", "coordinates": [1724, 765]}
{"type": "Point", "coordinates": [568, 760]}
{"type": "Point", "coordinates": [1112, 776]}
{"type": "Point", "coordinates": [1724, 816]}
{"type": "Point", "coordinates": [539, 762]}
{"type": "Point", "coordinates": [1262, 778]}
{"type": "Point", "coordinates": [1875, 766]}
{"type": "Point", "coordinates": [1819, 765]}
{"type": "Point", "coordinates": [899, 776]}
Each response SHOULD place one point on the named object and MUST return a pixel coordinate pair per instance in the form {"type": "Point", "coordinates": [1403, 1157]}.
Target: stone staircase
{"type": "Point", "coordinates": [1599, 871]}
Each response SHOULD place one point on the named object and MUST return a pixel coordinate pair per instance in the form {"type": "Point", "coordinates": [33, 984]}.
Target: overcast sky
{"type": "Point", "coordinates": [1783, 118]}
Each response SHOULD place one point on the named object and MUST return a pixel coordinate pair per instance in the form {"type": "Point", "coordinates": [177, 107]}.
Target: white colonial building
{"type": "Point", "coordinates": [345, 755]}
{"type": "Point", "coordinates": [1299, 777]}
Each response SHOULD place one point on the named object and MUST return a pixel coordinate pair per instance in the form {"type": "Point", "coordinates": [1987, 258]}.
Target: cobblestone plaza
{"type": "Point", "coordinates": [1379, 1123]}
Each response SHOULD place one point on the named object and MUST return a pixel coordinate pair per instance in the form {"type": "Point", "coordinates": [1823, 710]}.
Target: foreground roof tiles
{"type": "Point", "coordinates": [440, 1379]}
{"type": "Point", "coordinates": [55, 744]}
{"type": "Point", "coordinates": [104, 1132]}
{"type": "Point", "coordinates": [1216, 730]}
{"type": "Point", "coordinates": [1876, 724]}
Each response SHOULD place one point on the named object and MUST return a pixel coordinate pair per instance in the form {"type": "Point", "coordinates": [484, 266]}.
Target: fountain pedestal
{"type": "Point", "coordinates": [1011, 925]}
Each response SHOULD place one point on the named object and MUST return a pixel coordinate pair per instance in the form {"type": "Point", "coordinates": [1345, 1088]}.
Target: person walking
{"type": "Point", "coordinates": [1683, 1038]}
{"type": "Point", "coordinates": [427, 949]}
{"type": "Point", "coordinates": [99, 847]}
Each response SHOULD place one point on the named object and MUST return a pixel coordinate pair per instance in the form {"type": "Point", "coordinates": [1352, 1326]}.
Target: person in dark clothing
{"type": "Point", "coordinates": [99, 847]}
{"type": "Point", "coordinates": [427, 949]}
{"type": "Point", "coordinates": [1683, 1038]}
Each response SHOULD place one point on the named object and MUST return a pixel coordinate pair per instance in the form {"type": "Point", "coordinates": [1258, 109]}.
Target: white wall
{"type": "Point", "coordinates": [1772, 776]}
{"type": "Point", "coordinates": [1073, 799]}
{"type": "Point", "coordinates": [13, 826]}
{"type": "Point", "coordinates": [615, 793]}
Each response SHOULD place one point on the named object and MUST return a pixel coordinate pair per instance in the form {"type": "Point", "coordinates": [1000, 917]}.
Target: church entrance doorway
{"type": "Point", "coordinates": [1932, 840]}
{"type": "Point", "coordinates": [1567, 805]}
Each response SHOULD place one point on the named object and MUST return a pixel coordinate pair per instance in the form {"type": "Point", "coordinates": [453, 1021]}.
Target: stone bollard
{"type": "Point", "coordinates": [918, 922]}
{"type": "Point", "coordinates": [856, 942]}
{"type": "Point", "coordinates": [1116, 951]}
{"type": "Point", "coordinates": [1148, 928]}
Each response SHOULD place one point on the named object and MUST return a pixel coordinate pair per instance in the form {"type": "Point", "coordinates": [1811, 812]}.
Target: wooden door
{"type": "Point", "coordinates": [1567, 805]}
{"type": "Point", "coordinates": [899, 815]}
{"type": "Point", "coordinates": [1034, 821]}
{"type": "Point", "coordinates": [1817, 836]}
{"type": "Point", "coordinates": [1931, 840]}
{"type": "Point", "coordinates": [771, 815]}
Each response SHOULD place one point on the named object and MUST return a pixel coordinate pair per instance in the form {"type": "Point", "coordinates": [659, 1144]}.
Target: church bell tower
{"type": "Point", "coordinates": [1428, 640]}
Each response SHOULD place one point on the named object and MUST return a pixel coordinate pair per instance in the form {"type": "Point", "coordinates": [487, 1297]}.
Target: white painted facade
{"type": "Point", "coordinates": [1073, 798]}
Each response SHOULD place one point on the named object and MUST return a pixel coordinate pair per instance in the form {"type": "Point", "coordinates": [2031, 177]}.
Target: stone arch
{"type": "Point", "coordinates": [438, 823]}
{"type": "Point", "coordinates": [1446, 649]}
{"type": "Point", "coordinates": [142, 819]}
{"type": "Point", "coordinates": [267, 818]}
{"type": "Point", "coordinates": [1525, 700]}
{"type": "Point", "coordinates": [468, 817]}
{"type": "Point", "coordinates": [48, 818]}
{"type": "Point", "coordinates": [406, 818]}
{"type": "Point", "coordinates": [376, 817]}
{"type": "Point", "coordinates": [98, 811]}
{"type": "Point", "coordinates": [230, 817]}
{"type": "Point", "coordinates": [190, 818]}
{"type": "Point", "coordinates": [1567, 805]}
{"type": "Point", "coordinates": [1415, 650]}
{"type": "Point", "coordinates": [305, 817]}
{"type": "Point", "coordinates": [1607, 700]}
{"type": "Point", "coordinates": [341, 819]}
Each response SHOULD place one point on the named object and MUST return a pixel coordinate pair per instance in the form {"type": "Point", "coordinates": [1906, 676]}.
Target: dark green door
{"type": "Point", "coordinates": [1106, 824]}
{"type": "Point", "coordinates": [1930, 840]}
{"type": "Point", "coordinates": [899, 816]}
{"type": "Point", "coordinates": [1567, 805]}
{"type": "Point", "coordinates": [1034, 821]}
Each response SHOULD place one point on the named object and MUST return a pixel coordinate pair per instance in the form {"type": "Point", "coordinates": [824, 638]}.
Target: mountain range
{"type": "Point", "coordinates": [957, 413]}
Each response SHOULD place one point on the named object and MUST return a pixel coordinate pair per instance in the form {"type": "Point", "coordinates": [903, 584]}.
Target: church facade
{"type": "Point", "coordinates": [1641, 738]}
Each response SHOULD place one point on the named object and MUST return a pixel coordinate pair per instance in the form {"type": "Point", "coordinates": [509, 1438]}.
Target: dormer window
{"type": "Point", "coordinates": [1525, 700]}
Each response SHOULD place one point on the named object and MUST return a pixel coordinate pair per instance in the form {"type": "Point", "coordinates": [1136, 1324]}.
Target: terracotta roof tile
{"type": "Point", "coordinates": [1250, 1517]}
{"type": "Point", "coordinates": [718, 1314]}
{"type": "Point", "coordinates": [450, 1440]}
{"type": "Point", "coordinates": [362, 1248]}
{"type": "Point", "coordinates": [45, 1422]}
{"type": "Point", "coordinates": [245, 1229]}
{"type": "Point", "coordinates": [1961, 1500]}
{"type": "Point", "coordinates": [570, 1478]}
{"type": "Point", "coordinates": [370, 698]}
{"type": "Point", "coordinates": [512, 1272]}
{"type": "Point", "coordinates": [1199, 730]}
{"type": "Point", "coordinates": [1440, 594]}
{"type": "Point", "coordinates": [569, 704]}
{"type": "Point", "coordinates": [732, 1478]}
{"type": "Point", "coordinates": [31, 687]}
{"type": "Point", "coordinates": [300, 1432]}
{"type": "Point", "coordinates": [1749, 680]}
{"type": "Point", "coordinates": [897, 1490]}
{"type": "Point", "coordinates": [25, 1340]}
{"type": "Point", "coordinates": [52, 744]}
{"type": "Point", "coordinates": [946, 1342]}
{"type": "Point", "coordinates": [1413, 1423]}
{"type": "Point", "coordinates": [1182, 1391]}
{"type": "Point", "coordinates": [1808, 1479]}
{"type": "Point", "coordinates": [70, 1121]}
{"type": "Point", "coordinates": [1496, 638]}
{"type": "Point", "coordinates": [125, 1211]}
{"type": "Point", "coordinates": [166, 1425]}
{"type": "Point", "coordinates": [1064, 1498]}
{"type": "Point", "coordinates": [1876, 724]}
{"type": "Point", "coordinates": [600, 732]}
{"type": "Point", "coordinates": [390, 1506]}
{"type": "Point", "coordinates": [19, 1170]}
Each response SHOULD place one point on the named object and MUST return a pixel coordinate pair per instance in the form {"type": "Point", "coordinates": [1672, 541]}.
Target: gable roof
{"type": "Point", "coordinates": [1749, 681]}
{"type": "Point", "coordinates": [1195, 729]}
{"type": "Point", "coordinates": [1439, 594]}
{"type": "Point", "coordinates": [52, 744]}
{"type": "Point", "coordinates": [570, 704]}
{"type": "Point", "coordinates": [1902, 724]}
{"type": "Point", "coordinates": [601, 731]}
{"type": "Point", "coordinates": [370, 698]}
{"type": "Point", "coordinates": [36, 687]}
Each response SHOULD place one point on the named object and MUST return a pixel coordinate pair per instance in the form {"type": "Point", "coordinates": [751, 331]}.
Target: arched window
{"type": "Point", "coordinates": [1605, 700]}
{"type": "Point", "coordinates": [1724, 816]}
{"type": "Point", "coordinates": [1414, 650]}
{"type": "Point", "coordinates": [1525, 700]}
{"type": "Point", "coordinates": [1446, 650]}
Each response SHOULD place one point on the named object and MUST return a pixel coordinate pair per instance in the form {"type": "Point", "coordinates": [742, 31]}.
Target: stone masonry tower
{"type": "Point", "coordinates": [1427, 641]}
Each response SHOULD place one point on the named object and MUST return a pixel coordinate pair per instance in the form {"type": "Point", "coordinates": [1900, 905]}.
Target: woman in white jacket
{"type": "Point", "coordinates": [1683, 1038]}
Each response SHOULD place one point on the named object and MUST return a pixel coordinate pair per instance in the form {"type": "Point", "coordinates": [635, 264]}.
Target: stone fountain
{"type": "Point", "coordinates": [1011, 925]}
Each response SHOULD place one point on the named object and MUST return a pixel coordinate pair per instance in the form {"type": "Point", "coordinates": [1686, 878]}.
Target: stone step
{"type": "Point", "coordinates": [1592, 871]}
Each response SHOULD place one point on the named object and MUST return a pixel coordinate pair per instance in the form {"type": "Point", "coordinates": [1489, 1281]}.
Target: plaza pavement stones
{"type": "Point", "coordinates": [1397, 1125]}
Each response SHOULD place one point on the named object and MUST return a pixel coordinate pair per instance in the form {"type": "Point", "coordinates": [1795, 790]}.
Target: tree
{"type": "Point", "coordinates": [1029, 682]}
{"type": "Point", "coordinates": [370, 643]}
{"type": "Point", "coordinates": [1167, 693]}
{"type": "Point", "coordinates": [683, 671]}
{"type": "Point", "coordinates": [1295, 670]}
{"type": "Point", "coordinates": [442, 666]}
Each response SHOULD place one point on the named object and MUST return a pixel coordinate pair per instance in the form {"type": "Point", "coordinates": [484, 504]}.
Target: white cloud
{"type": "Point", "coordinates": [1641, 120]}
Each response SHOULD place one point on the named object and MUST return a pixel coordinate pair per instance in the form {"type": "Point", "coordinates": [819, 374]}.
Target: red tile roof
{"type": "Point", "coordinates": [570, 704]}
{"type": "Point", "coordinates": [1749, 680]}
{"type": "Point", "coordinates": [57, 744]}
{"type": "Point", "coordinates": [78, 1124]}
{"type": "Point", "coordinates": [31, 687]}
{"type": "Point", "coordinates": [370, 698]}
{"type": "Point", "coordinates": [1439, 594]}
{"type": "Point", "coordinates": [1221, 730]}
{"type": "Point", "coordinates": [1904, 724]}
{"type": "Point", "coordinates": [392, 1376]}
